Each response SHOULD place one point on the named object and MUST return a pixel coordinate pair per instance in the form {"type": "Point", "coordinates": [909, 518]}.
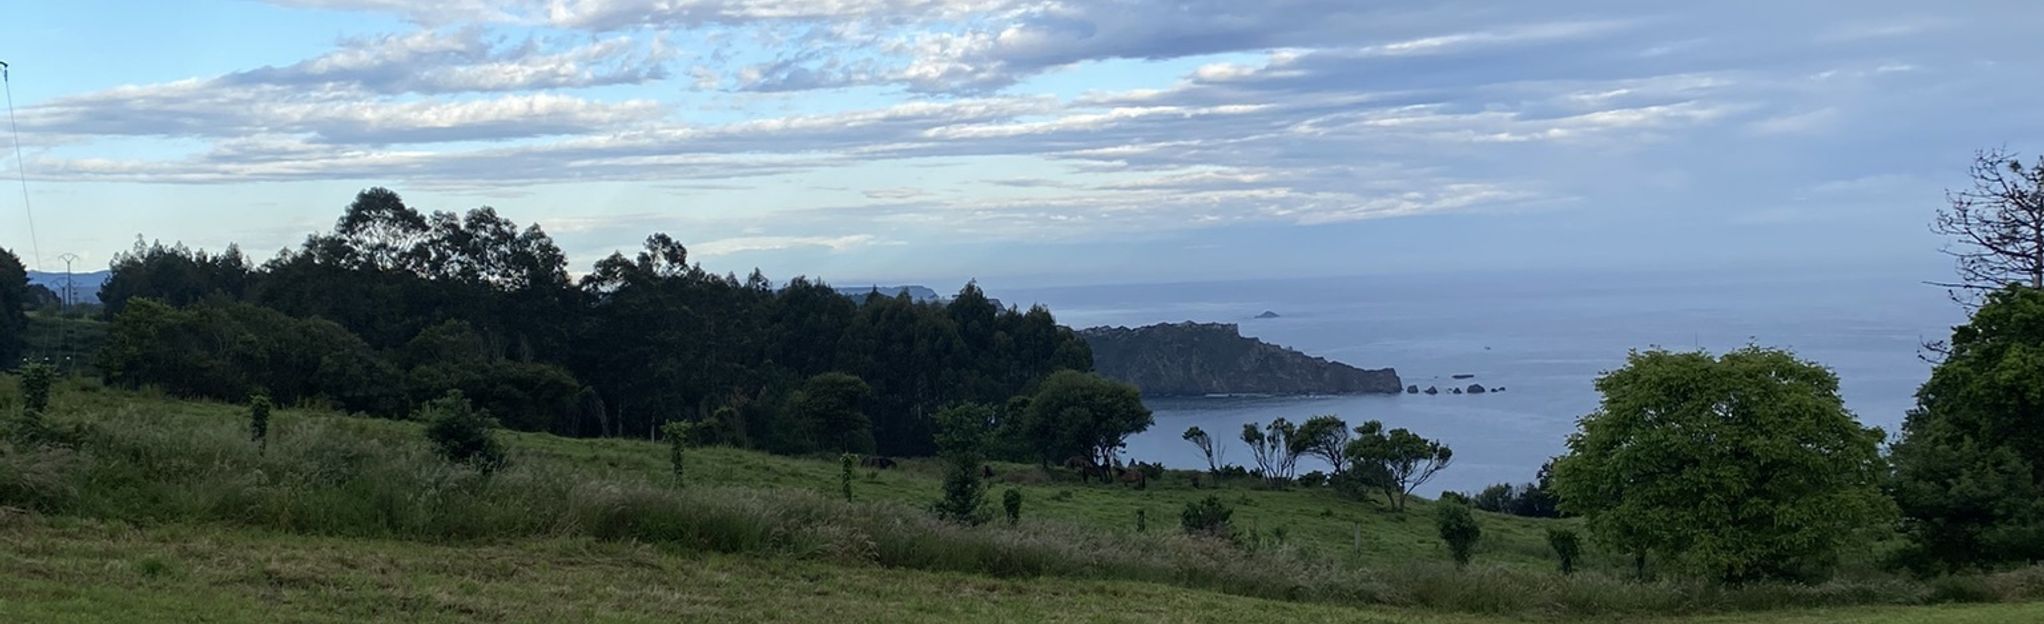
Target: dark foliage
{"type": "Point", "coordinates": [1458, 528]}
{"type": "Point", "coordinates": [259, 407]}
{"type": "Point", "coordinates": [14, 302]}
{"type": "Point", "coordinates": [1568, 548]}
{"type": "Point", "coordinates": [431, 302]}
{"type": "Point", "coordinates": [1209, 516]}
{"type": "Point", "coordinates": [462, 434]}
{"type": "Point", "coordinates": [1969, 468]}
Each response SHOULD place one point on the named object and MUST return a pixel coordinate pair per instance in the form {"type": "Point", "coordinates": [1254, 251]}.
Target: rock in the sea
{"type": "Point", "coordinates": [1267, 314]}
{"type": "Point", "coordinates": [1463, 375]}
{"type": "Point", "coordinates": [1203, 359]}
{"type": "Point", "coordinates": [1412, 389]}
{"type": "Point", "coordinates": [1433, 390]}
{"type": "Point", "coordinates": [1476, 388]}
{"type": "Point", "coordinates": [1498, 389]}
{"type": "Point", "coordinates": [1457, 390]}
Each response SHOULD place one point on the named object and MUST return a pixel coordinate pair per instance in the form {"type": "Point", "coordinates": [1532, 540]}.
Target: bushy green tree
{"type": "Point", "coordinates": [1076, 414]}
{"type": "Point", "coordinates": [259, 407]}
{"type": "Point", "coordinates": [1325, 437]}
{"type": "Point", "coordinates": [1395, 462]}
{"type": "Point", "coordinates": [462, 434]}
{"type": "Point", "coordinates": [37, 380]}
{"type": "Point", "coordinates": [1209, 516]}
{"type": "Point", "coordinates": [845, 463]}
{"type": "Point", "coordinates": [1458, 529]}
{"type": "Point", "coordinates": [14, 302]}
{"type": "Point", "coordinates": [1567, 548]}
{"type": "Point", "coordinates": [962, 432]}
{"type": "Point", "coordinates": [1969, 468]}
{"type": "Point", "coordinates": [1011, 503]}
{"type": "Point", "coordinates": [1738, 467]}
{"type": "Point", "coordinates": [831, 408]}
{"type": "Point", "coordinates": [678, 434]}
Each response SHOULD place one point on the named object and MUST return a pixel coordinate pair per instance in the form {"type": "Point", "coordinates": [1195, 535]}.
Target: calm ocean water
{"type": "Point", "coordinates": [1544, 337]}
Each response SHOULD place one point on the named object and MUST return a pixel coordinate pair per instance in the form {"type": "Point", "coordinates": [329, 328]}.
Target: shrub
{"type": "Point", "coordinates": [845, 463]}
{"type": "Point", "coordinates": [964, 496]}
{"type": "Point", "coordinates": [1312, 479]}
{"type": "Point", "coordinates": [1011, 502]}
{"type": "Point", "coordinates": [1208, 517]}
{"type": "Point", "coordinates": [1459, 529]}
{"type": "Point", "coordinates": [462, 434]}
{"type": "Point", "coordinates": [1567, 547]}
{"type": "Point", "coordinates": [36, 380]}
{"type": "Point", "coordinates": [259, 420]}
{"type": "Point", "coordinates": [1142, 520]}
{"type": "Point", "coordinates": [678, 434]}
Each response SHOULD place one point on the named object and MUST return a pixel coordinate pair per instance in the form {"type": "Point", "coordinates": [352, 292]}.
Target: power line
{"type": "Point", "coordinates": [21, 165]}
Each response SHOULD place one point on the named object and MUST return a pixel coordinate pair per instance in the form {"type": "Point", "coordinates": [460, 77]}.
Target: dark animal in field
{"type": "Point", "coordinates": [1087, 469]}
{"type": "Point", "coordinates": [882, 463]}
{"type": "Point", "coordinates": [1135, 477]}
{"type": "Point", "coordinates": [986, 472]}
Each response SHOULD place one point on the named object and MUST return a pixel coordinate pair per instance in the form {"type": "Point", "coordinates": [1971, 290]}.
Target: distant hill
{"type": "Point", "coordinates": [918, 293]}
{"type": "Point", "coordinates": [1199, 359]}
{"type": "Point", "coordinates": [85, 286]}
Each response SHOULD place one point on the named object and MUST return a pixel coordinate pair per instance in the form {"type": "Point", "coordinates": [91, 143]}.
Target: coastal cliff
{"type": "Point", "coordinates": [1198, 359]}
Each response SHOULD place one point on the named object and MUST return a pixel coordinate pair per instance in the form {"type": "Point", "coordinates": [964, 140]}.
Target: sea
{"type": "Point", "coordinates": [1545, 337]}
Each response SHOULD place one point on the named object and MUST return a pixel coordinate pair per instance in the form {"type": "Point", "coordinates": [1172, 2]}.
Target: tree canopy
{"type": "Point", "coordinates": [1396, 462]}
{"type": "Point", "coordinates": [14, 301]}
{"type": "Point", "coordinates": [1969, 468]}
{"type": "Point", "coordinates": [1737, 467]}
{"type": "Point", "coordinates": [472, 301]}
{"type": "Point", "coordinates": [1078, 414]}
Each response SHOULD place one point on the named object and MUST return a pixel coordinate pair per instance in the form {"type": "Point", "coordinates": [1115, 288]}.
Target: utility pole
{"type": "Point", "coordinates": [64, 305]}
{"type": "Point", "coordinates": [70, 297]}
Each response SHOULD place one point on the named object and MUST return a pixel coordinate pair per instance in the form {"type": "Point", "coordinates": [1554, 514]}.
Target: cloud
{"type": "Point", "coordinates": [743, 244]}
{"type": "Point", "coordinates": [1290, 111]}
{"type": "Point", "coordinates": [465, 60]}
{"type": "Point", "coordinates": [202, 109]}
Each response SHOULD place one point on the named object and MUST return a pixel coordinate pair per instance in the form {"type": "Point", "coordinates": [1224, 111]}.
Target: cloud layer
{"type": "Point", "coordinates": [1286, 111]}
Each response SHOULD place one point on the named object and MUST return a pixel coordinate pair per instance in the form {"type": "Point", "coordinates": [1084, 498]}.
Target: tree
{"type": "Point", "coordinates": [1274, 449]}
{"type": "Point", "coordinates": [962, 432]}
{"type": "Point", "coordinates": [1567, 548]}
{"type": "Point", "coordinates": [1011, 502]}
{"type": "Point", "coordinates": [36, 383]}
{"type": "Point", "coordinates": [259, 419]}
{"type": "Point", "coordinates": [1969, 467]}
{"type": "Point", "coordinates": [1458, 528]}
{"type": "Point", "coordinates": [1208, 517]}
{"type": "Point", "coordinates": [1396, 461]}
{"type": "Point", "coordinates": [1740, 467]}
{"type": "Point", "coordinates": [1076, 414]}
{"type": "Point", "coordinates": [845, 464]}
{"type": "Point", "coordinates": [14, 301]}
{"type": "Point", "coordinates": [831, 407]}
{"type": "Point", "coordinates": [1199, 438]}
{"type": "Point", "coordinates": [678, 434]}
{"type": "Point", "coordinates": [1325, 437]}
{"type": "Point", "coordinates": [1997, 226]}
{"type": "Point", "coordinates": [462, 434]}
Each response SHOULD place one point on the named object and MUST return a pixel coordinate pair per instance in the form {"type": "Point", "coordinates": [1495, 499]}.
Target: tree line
{"type": "Point", "coordinates": [394, 308]}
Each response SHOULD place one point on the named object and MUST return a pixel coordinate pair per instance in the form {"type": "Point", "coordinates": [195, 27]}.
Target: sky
{"type": "Point", "coordinates": [1032, 142]}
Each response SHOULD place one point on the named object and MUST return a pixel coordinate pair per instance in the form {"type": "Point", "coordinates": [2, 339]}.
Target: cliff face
{"type": "Point", "coordinates": [1197, 359]}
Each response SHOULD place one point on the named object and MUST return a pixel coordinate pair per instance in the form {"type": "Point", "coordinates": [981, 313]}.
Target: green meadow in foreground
{"type": "Point", "coordinates": [150, 509]}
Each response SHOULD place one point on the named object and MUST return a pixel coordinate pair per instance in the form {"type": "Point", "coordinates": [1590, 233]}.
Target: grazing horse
{"type": "Point", "coordinates": [877, 462]}
{"type": "Point", "coordinates": [1087, 468]}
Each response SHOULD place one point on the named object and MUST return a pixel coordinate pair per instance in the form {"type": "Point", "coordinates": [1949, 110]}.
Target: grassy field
{"type": "Point", "coordinates": [166, 508]}
{"type": "Point", "coordinates": [66, 571]}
